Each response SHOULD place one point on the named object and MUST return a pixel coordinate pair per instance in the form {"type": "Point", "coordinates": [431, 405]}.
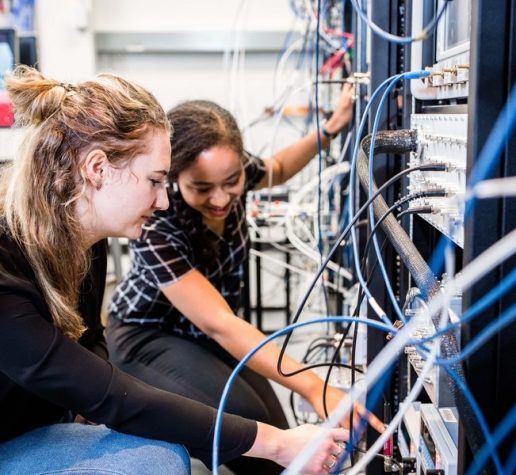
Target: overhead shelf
{"type": "Point", "coordinates": [191, 42]}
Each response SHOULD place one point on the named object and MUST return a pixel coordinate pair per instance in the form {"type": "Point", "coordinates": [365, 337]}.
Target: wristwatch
{"type": "Point", "coordinates": [327, 134]}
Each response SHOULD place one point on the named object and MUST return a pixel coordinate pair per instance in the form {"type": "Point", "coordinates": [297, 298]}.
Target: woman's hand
{"type": "Point", "coordinates": [333, 398]}
{"type": "Point", "coordinates": [282, 446]}
{"type": "Point", "coordinates": [343, 111]}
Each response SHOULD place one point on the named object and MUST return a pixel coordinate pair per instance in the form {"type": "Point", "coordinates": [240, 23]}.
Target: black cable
{"type": "Point", "coordinates": [415, 210]}
{"type": "Point", "coordinates": [400, 202]}
{"type": "Point", "coordinates": [332, 365]}
{"type": "Point", "coordinates": [364, 207]}
{"type": "Point", "coordinates": [335, 81]}
{"type": "Point", "coordinates": [361, 295]}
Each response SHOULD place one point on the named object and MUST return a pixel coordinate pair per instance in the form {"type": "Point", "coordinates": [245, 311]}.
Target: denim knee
{"type": "Point", "coordinates": [86, 449]}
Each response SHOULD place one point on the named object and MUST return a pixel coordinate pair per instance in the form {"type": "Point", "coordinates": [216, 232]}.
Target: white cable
{"type": "Point", "coordinates": [226, 68]}
{"type": "Point", "coordinates": [281, 64]}
{"type": "Point", "coordinates": [495, 188]}
{"type": "Point", "coordinates": [487, 261]}
{"type": "Point", "coordinates": [275, 129]}
{"type": "Point", "coordinates": [327, 175]}
{"type": "Point", "coordinates": [292, 268]}
{"type": "Point", "coordinates": [279, 114]}
{"type": "Point", "coordinates": [242, 103]}
{"type": "Point", "coordinates": [345, 147]}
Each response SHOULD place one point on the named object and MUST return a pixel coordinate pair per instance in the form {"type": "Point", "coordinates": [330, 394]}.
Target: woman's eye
{"type": "Point", "coordinates": [156, 183]}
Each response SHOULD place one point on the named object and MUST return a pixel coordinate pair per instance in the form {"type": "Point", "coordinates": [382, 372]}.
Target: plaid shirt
{"type": "Point", "coordinates": [173, 243]}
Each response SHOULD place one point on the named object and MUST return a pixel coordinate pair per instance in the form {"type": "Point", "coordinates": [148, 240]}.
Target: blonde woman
{"type": "Point", "coordinates": [93, 164]}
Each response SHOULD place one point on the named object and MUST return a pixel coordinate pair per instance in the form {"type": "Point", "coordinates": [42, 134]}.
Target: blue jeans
{"type": "Point", "coordinates": [82, 449]}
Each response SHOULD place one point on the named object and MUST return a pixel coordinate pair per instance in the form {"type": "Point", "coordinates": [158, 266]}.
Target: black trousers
{"type": "Point", "coordinates": [198, 371]}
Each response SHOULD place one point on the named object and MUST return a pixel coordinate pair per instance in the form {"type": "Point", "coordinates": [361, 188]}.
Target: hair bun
{"type": "Point", "coordinates": [35, 98]}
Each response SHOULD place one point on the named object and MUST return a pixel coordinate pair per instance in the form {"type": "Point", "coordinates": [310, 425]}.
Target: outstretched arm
{"type": "Point", "coordinates": [196, 298]}
{"type": "Point", "coordinates": [290, 160]}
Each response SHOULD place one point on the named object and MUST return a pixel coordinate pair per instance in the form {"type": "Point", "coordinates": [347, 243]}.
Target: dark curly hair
{"type": "Point", "coordinates": [199, 125]}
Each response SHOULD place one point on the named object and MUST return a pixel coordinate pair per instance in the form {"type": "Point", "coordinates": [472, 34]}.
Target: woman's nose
{"type": "Point", "coordinates": [219, 198]}
{"type": "Point", "coordinates": [162, 199]}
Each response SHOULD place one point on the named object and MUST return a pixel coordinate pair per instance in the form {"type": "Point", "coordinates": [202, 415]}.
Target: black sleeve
{"type": "Point", "coordinates": [90, 301]}
{"type": "Point", "coordinates": [37, 356]}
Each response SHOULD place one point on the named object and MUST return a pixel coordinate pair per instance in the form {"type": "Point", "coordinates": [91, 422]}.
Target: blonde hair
{"type": "Point", "coordinates": [39, 189]}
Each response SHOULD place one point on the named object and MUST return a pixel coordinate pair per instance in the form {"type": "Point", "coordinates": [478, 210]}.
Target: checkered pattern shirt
{"type": "Point", "coordinates": [173, 243]}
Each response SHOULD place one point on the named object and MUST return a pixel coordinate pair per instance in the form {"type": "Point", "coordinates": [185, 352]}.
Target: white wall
{"type": "Point", "coordinates": [67, 28]}
{"type": "Point", "coordinates": [65, 39]}
{"type": "Point", "coordinates": [189, 15]}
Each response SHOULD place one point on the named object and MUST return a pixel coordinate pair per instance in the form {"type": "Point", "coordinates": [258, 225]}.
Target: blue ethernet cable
{"type": "Point", "coordinates": [502, 129]}
{"type": "Point", "coordinates": [499, 434]}
{"type": "Point", "coordinates": [352, 179]}
{"type": "Point", "coordinates": [251, 353]}
{"type": "Point", "coordinates": [506, 318]}
{"type": "Point", "coordinates": [427, 30]}
{"type": "Point", "coordinates": [381, 105]}
{"type": "Point", "coordinates": [510, 466]}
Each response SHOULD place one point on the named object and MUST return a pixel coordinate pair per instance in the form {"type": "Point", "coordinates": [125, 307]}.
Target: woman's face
{"type": "Point", "coordinates": [130, 195]}
{"type": "Point", "coordinates": [213, 182]}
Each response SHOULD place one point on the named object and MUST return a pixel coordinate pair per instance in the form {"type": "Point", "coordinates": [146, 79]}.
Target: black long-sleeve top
{"type": "Point", "coordinates": [44, 375]}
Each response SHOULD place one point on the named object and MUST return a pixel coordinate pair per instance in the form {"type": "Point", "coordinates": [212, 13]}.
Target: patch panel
{"type": "Point", "coordinates": [442, 139]}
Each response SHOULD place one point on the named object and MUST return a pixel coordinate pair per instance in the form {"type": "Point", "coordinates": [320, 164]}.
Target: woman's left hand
{"type": "Point", "coordinates": [287, 444]}
{"type": "Point", "coordinates": [334, 397]}
{"type": "Point", "coordinates": [343, 111]}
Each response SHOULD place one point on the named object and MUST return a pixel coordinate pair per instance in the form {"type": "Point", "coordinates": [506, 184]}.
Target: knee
{"type": "Point", "coordinates": [152, 457]}
{"type": "Point", "coordinates": [173, 459]}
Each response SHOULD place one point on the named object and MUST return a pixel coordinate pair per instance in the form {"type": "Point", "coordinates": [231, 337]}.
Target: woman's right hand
{"type": "Point", "coordinates": [282, 446]}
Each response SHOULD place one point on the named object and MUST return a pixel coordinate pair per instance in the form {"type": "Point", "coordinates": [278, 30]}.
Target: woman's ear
{"type": "Point", "coordinates": [94, 168]}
